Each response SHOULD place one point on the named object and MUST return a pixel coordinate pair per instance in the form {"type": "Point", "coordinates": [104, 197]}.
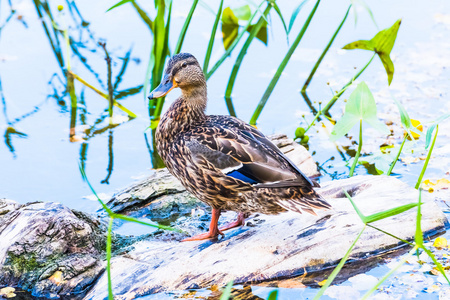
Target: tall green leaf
{"type": "Point", "coordinates": [360, 106]}
{"type": "Point", "coordinates": [382, 44]}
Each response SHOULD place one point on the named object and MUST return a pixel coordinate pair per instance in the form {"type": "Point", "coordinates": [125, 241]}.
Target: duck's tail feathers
{"type": "Point", "coordinates": [305, 200]}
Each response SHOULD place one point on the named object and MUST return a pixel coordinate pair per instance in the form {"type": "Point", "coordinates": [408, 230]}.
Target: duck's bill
{"type": "Point", "coordinates": [161, 90]}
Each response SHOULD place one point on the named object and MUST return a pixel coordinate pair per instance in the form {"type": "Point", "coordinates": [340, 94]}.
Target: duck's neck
{"type": "Point", "coordinates": [195, 99]}
{"type": "Point", "coordinates": [189, 108]}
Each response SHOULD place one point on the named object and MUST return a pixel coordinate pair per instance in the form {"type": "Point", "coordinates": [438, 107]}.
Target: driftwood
{"type": "Point", "coordinates": [48, 249]}
{"type": "Point", "coordinates": [274, 247]}
{"type": "Point", "coordinates": [51, 250]}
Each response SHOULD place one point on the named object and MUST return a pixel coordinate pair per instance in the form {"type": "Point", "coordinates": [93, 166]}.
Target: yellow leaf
{"type": "Point", "coordinates": [322, 283]}
{"type": "Point", "coordinates": [419, 127]}
{"type": "Point", "coordinates": [56, 278]}
{"type": "Point", "coordinates": [441, 184]}
{"type": "Point", "coordinates": [440, 242]}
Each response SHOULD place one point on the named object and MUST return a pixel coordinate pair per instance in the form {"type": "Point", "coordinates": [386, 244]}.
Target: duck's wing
{"type": "Point", "coordinates": [242, 152]}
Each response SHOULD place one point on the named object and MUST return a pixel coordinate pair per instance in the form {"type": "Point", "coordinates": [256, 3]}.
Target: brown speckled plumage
{"type": "Point", "coordinates": [223, 161]}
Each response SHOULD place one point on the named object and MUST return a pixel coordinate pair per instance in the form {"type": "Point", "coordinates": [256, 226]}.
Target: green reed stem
{"type": "Point", "coordinates": [398, 155]}
{"type": "Point", "coordinates": [281, 67]}
{"type": "Point", "coordinates": [338, 267]}
{"type": "Point", "coordinates": [233, 45]}
{"type": "Point", "coordinates": [261, 22]}
{"type": "Point", "coordinates": [185, 27]}
{"type": "Point", "coordinates": [359, 150]}
{"type": "Point", "coordinates": [344, 88]}
{"type": "Point", "coordinates": [336, 97]}
{"type": "Point", "coordinates": [108, 258]}
{"type": "Point", "coordinates": [143, 15]}
{"type": "Point", "coordinates": [425, 165]}
{"type": "Point", "coordinates": [311, 75]}
{"type": "Point", "coordinates": [211, 39]}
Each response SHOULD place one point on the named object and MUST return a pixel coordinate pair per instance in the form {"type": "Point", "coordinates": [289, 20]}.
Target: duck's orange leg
{"type": "Point", "coordinates": [214, 230]}
{"type": "Point", "coordinates": [239, 222]}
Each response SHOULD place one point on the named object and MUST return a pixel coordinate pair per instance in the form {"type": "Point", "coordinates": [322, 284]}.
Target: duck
{"type": "Point", "coordinates": [223, 161]}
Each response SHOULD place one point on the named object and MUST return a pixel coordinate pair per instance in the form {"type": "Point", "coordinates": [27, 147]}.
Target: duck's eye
{"type": "Point", "coordinates": [184, 65]}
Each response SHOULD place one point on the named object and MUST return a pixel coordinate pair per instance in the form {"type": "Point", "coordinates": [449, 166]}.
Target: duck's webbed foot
{"type": "Point", "coordinates": [214, 230]}
{"type": "Point", "coordinates": [239, 222]}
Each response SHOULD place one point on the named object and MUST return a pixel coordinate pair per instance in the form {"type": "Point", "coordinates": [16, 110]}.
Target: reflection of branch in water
{"type": "Point", "coordinates": [59, 91]}
{"type": "Point", "coordinates": [110, 156]}
{"type": "Point", "coordinates": [308, 102]}
{"type": "Point", "coordinates": [11, 131]}
{"type": "Point", "coordinates": [83, 154]}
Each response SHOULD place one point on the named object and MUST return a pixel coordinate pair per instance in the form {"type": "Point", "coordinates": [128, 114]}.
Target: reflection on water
{"type": "Point", "coordinates": [58, 87]}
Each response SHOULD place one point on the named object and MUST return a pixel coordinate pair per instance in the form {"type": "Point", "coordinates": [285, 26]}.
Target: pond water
{"type": "Point", "coordinates": [42, 164]}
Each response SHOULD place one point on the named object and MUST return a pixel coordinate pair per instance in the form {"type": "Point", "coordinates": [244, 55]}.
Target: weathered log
{"type": "Point", "coordinates": [54, 251]}
{"type": "Point", "coordinates": [49, 249]}
{"type": "Point", "coordinates": [274, 247]}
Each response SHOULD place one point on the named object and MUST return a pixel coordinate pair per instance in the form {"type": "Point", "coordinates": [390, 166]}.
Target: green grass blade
{"type": "Point", "coordinates": [295, 14]}
{"type": "Point", "coordinates": [261, 22]}
{"type": "Point", "coordinates": [431, 129]}
{"type": "Point", "coordinates": [355, 161]}
{"type": "Point", "coordinates": [281, 67]}
{"type": "Point", "coordinates": [338, 267]}
{"type": "Point", "coordinates": [143, 16]}
{"type": "Point", "coordinates": [227, 291]}
{"type": "Point", "coordinates": [390, 212]}
{"type": "Point", "coordinates": [418, 237]}
{"type": "Point", "coordinates": [211, 39]}
{"type": "Point", "coordinates": [361, 216]}
{"type": "Point", "coordinates": [388, 274]}
{"type": "Point", "coordinates": [120, 3]}
{"type": "Point", "coordinates": [391, 235]}
{"type": "Point", "coordinates": [134, 220]}
{"type": "Point", "coordinates": [185, 27]}
{"type": "Point", "coordinates": [325, 51]}
{"type": "Point", "coordinates": [232, 46]}
{"type": "Point", "coordinates": [425, 165]}
{"type": "Point", "coordinates": [438, 265]}
{"type": "Point", "coordinates": [83, 174]}
{"type": "Point", "coordinates": [273, 295]}
{"type": "Point", "coordinates": [277, 9]}
{"type": "Point", "coordinates": [108, 258]}
{"type": "Point", "coordinates": [397, 157]}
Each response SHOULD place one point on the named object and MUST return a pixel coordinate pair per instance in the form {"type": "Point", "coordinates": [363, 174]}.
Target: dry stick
{"type": "Point", "coordinates": [115, 103]}
{"type": "Point", "coordinates": [316, 66]}
{"type": "Point", "coordinates": [336, 97]}
{"type": "Point", "coordinates": [281, 67]}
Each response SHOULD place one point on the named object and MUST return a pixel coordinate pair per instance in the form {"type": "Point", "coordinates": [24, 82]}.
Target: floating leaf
{"type": "Point", "coordinates": [440, 242]}
{"type": "Point", "coordinates": [440, 184]}
{"type": "Point", "coordinates": [416, 124]}
{"type": "Point", "coordinates": [360, 106]}
{"type": "Point", "coordinates": [382, 44]}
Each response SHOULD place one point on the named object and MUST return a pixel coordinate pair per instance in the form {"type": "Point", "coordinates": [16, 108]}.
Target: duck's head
{"type": "Point", "coordinates": [182, 71]}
